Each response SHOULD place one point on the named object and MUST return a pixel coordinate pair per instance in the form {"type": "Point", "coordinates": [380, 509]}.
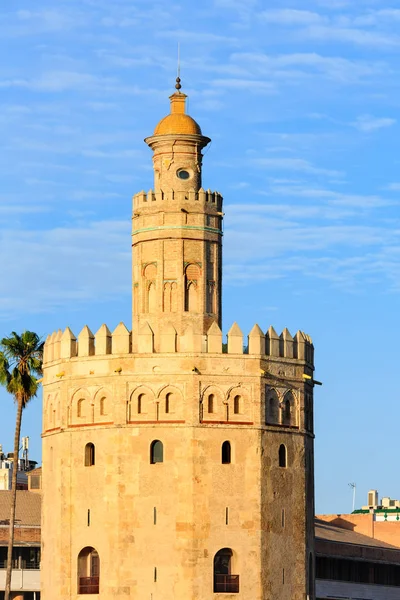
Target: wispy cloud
{"type": "Point", "coordinates": [322, 241]}
{"type": "Point", "coordinates": [294, 164]}
{"type": "Point", "coordinates": [289, 16]}
{"type": "Point", "coordinates": [71, 263]}
{"type": "Point", "coordinates": [359, 30]}
{"type": "Point", "coordinates": [289, 67]}
{"type": "Point", "coordinates": [367, 123]}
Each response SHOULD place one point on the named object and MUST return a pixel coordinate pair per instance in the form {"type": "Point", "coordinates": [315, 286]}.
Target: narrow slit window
{"type": "Point", "coordinates": [282, 456]}
{"type": "Point", "coordinates": [210, 403]}
{"type": "Point", "coordinates": [139, 404]}
{"type": "Point", "coordinates": [88, 517]}
{"type": "Point", "coordinates": [227, 516]}
{"type": "Point", "coordinates": [155, 516]}
{"type": "Point", "coordinates": [155, 574]}
{"type": "Point", "coordinates": [236, 405]}
{"type": "Point", "coordinates": [283, 517]}
{"type": "Point", "coordinates": [226, 453]}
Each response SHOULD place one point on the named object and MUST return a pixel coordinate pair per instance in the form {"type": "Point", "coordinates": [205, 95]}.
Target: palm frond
{"type": "Point", "coordinates": [21, 358]}
{"type": "Point", "coordinates": [4, 370]}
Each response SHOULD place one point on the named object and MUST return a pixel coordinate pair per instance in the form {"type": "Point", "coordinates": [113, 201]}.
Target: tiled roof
{"type": "Point", "coordinates": [332, 533]}
{"type": "Point", "coordinates": [27, 510]}
{"type": "Point", "coordinates": [36, 471]}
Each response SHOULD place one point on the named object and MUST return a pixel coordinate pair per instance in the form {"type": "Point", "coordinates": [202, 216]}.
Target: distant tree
{"type": "Point", "coordinates": [21, 358]}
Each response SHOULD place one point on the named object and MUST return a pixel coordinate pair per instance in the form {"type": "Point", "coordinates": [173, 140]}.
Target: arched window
{"type": "Point", "coordinates": [150, 276]}
{"type": "Point", "coordinates": [272, 408]}
{"type": "Point", "coordinates": [102, 406]}
{"type": "Point", "coordinates": [226, 453]}
{"type": "Point", "coordinates": [224, 581]}
{"type": "Point", "coordinates": [236, 405]}
{"type": "Point", "coordinates": [89, 455]}
{"type": "Point", "coordinates": [192, 277]}
{"type": "Point", "coordinates": [210, 406]}
{"type": "Point", "coordinates": [151, 298]}
{"type": "Point", "coordinates": [80, 408]}
{"type": "Point", "coordinates": [167, 297]}
{"type": "Point", "coordinates": [282, 456]}
{"type": "Point", "coordinates": [168, 403]}
{"type": "Point", "coordinates": [287, 412]}
{"type": "Point", "coordinates": [88, 571]}
{"type": "Point", "coordinates": [156, 452]}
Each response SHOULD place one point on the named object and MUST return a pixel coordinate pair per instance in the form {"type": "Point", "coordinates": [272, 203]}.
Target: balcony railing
{"type": "Point", "coordinates": [18, 565]}
{"type": "Point", "coordinates": [226, 584]}
{"type": "Point", "coordinates": [88, 585]}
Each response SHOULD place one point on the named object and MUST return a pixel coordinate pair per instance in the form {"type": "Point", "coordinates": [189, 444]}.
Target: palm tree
{"type": "Point", "coordinates": [21, 358]}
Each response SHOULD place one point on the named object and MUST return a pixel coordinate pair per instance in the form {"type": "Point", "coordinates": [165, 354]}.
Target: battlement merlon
{"type": "Point", "coordinates": [64, 345]}
{"type": "Point", "coordinates": [201, 200]}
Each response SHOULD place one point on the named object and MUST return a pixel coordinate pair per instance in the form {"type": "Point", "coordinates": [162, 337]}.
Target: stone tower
{"type": "Point", "coordinates": [175, 467]}
{"type": "Point", "coordinates": [176, 235]}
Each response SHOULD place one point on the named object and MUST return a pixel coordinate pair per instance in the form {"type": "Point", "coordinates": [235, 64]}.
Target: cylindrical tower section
{"type": "Point", "coordinates": [177, 144]}
{"type": "Point", "coordinates": [176, 236]}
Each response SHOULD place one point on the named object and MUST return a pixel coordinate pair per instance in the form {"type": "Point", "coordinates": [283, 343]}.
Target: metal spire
{"type": "Point", "coordinates": [178, 79]}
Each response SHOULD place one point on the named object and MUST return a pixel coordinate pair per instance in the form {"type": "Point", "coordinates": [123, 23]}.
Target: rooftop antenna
{"type": "Point", "coordinates": [178, 79]}
{"type": "Point", "coordinates": [353, 485]}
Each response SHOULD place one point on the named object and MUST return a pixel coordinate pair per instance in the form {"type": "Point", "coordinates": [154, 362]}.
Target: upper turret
{"type": "Point", "coordinates": [177, 122]}
{"type": "Point", "coordinates": [177, 143]}
{"type": "Point", "coordinates": [176, 237]}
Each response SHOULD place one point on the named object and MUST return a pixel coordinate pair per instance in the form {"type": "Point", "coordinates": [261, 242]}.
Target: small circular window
{"type": "Point", "coordinates": [183, 174]}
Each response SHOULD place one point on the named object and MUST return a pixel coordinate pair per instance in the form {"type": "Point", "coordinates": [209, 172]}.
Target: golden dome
{"type": "Point", "coordinates": [177, 122]}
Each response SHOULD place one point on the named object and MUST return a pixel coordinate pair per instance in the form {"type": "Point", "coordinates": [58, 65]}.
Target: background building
{"type": "Point", "coordinates": [25, 582]}
{"type": "Point", "coordinates": [24, 466]}
{"type": "Point", "coordinates": [175, 467]}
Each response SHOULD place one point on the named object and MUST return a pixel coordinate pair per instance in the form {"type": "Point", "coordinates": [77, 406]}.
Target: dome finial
{"type": "Point", "coordinates": [178, 79]}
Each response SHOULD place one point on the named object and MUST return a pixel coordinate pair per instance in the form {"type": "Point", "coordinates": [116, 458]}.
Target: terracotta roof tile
{"type": "Point", "coordinates": [333, 533]}
{"type": "Point", "coordinates": [27, 510]}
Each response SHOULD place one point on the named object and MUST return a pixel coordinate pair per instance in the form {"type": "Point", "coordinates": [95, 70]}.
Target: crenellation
{"type": "Point", "coordinates": [272, 346]}
{"type": "Point", "coordinates": [121, 340]}
{"type": "Point", "coordinates": [214, 339]}
{"type": "Point", "coordinates": [103, 340]}
{"type": "Point", "coordinates": [192, 341]}
{"type": "Point", "coordinates": [235, 340]}
{"type": "Point", "coordinates": [300, 345]}
{"type": "Point", "coordinates": [286, 349]}
{"type": "Point", "coordinates": [256, 341]}
{"type": "Point", "coordinates": [68, 344]}
{"type": "Point", "coordinates": [64, 345]}
{"type": "Point", "coordinates": [168, 338]}
{"type": "Point", "coordinates": [46, 350]}
{"type": "Point", "coordinates": [146, 340]}
{"type": "Point", "coordinates": [85, 342]}
{"type": "Point", "coordinates": [170, 198]}
{"type": "Point", "coordinates": [57, 345]}
{"type": "Point", "coordinates": [202, 196]}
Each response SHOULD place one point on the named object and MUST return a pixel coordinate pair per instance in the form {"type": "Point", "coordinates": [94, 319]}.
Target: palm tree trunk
{"type": "Point", "coordinates": [13, 498]}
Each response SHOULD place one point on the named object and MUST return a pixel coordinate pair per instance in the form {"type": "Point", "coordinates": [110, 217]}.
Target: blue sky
{"type": "Point", "coordinates": [301, 100]}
